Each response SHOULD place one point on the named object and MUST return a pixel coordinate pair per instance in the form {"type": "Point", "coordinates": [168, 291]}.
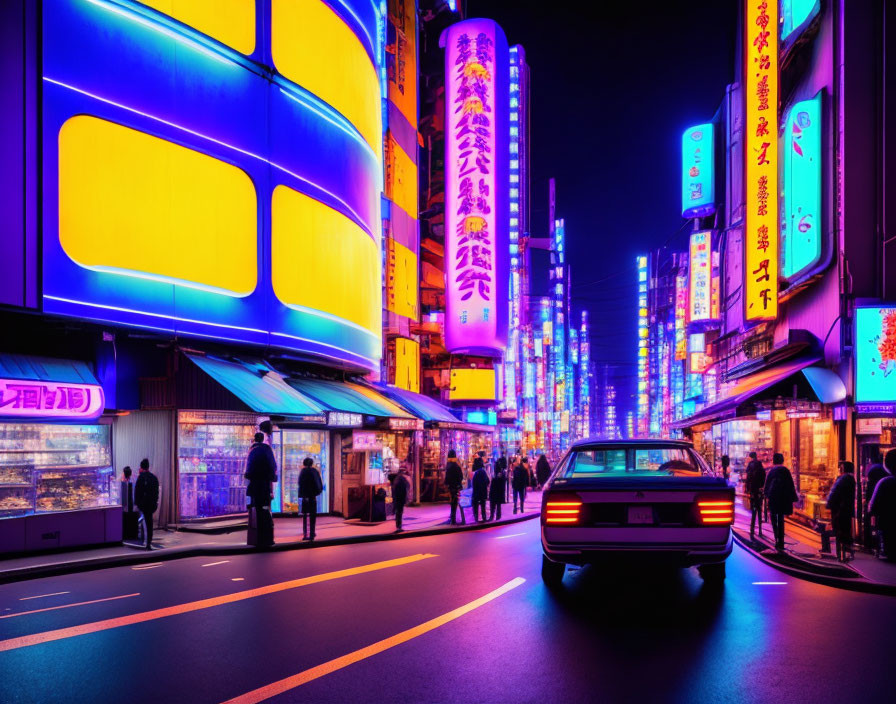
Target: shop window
{"type": "Point", "coordinates": [295, 446]}
{"type": "Point", "coordinates": [231, 22]}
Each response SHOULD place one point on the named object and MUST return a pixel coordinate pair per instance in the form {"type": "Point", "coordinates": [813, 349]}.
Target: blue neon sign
{"type": "Point", "coordinates": [796, 13]}
{"type": "Point", "coordinates": [698, 171]}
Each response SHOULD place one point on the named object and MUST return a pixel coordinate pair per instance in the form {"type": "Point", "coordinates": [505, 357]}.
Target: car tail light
{"type": "Point", "coordinates": [562, 511]}
{"type": "Point", "coordinates": [716, 512]}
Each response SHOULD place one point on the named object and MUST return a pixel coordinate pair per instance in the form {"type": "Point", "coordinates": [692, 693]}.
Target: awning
{"type": "Point", "coordinates": [753, 385]}
{"type": "Point", "coordinates": [349, 397]}
{"type": "Point", "coordinates": [259, 386]}
{"type": "Point", "coordinates": [48, 388]}
{"type": "Point", "coordinates": [21, 366]}
{"type": "Point", "coordinates": [828, 387]}
{"type": "Point", "coordinates": [421, 406]}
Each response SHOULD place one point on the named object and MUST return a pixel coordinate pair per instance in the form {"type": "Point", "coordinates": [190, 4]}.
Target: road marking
{"type": "Point", "coordinates": [151, 565]}
{"type": "Point", "coordinates": [768, 583]}
{"type": "Point", "coordinates": [219, 562]}
{"type": "Point", "coordinates": [512, 535]}
{"type": "Point", "coordinates": [107, 624]}
{"type": "Point", "coordinates": [288, 683]}
{"type": "Point", "coordinates": [41, 596]}
{"type": "Point", "coordinates": [237, 579]}
{"type": "Point", "coordinates": [68, 606]}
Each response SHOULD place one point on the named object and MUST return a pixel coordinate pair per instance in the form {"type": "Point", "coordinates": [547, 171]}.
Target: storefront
{"type": "Point", "coordinates": [466, 439]}
{"type": "Point", "coordinates": [57, 483]}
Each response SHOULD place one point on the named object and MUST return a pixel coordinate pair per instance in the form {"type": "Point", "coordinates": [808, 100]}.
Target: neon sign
{"type": "Point", "coordinates": [698, 171]}
{"type": "Point", "coordinates": [876, 354]}
{"type": "Point", "coordinates": [700, 270]}
{"type": "Point", "coordinates": [22, 398]}
{"type": "Point", "coordinates": [476, 175]}
{"type": "Point", "coordinates": [761, 158]}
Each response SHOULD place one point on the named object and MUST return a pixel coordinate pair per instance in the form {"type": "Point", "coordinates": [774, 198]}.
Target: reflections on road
{"type": "Point", "coordinates": [512, 535]}
{"type": "Point", "coordinates": [68, 606]}
{"type": "Point", "coordinates": [764, 584]}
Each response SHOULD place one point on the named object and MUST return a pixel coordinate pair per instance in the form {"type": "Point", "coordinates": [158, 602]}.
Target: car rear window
{"type": "Point", "coordinates": [631, 461]}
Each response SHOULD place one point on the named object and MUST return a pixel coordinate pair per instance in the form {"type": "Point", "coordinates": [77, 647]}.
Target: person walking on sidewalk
{"type": "Point", "coordinates": [261, 471]}
{"type": "Point", "coordinates": [480, 489]}
{"type": "Point", "coordinates": [842, 505]}
{"type": "Point", "coordinates": [875, 473]}
{"type": "Point", "coordinates": [781, 495]}
{"type": "Point", "coordinates": [454, 480]}
{"type": "Point", "coordinates": [400, 489]}
{"type": "Point", "coordinates": [496, 493]}
{"type": "Point", "coordinates": [755, 481]}
{"type": "Point", "coordinates": [520, 482]}
{"type": "Point", "coordinates": [726, 464]}
{"type": "Point", "coordinates": [883, 507]}
{"type": "Point", "coordinates": [310, 487]}
{"type": "Point", "coordinates": [146, 498]}
{"type": "Point", "coordinates": [542, 470]}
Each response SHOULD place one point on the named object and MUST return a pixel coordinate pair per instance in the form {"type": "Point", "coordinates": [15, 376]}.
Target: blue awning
{"type": "Point", "coordinates": [828, 387]}
{"type": "Point", "coordinates": [421, 406]}
{"type": "Point", "coordinates": [21, 366]}
{"type": "Point", "coordinates": [349, 397]}
{"type": "Point", "coordinates": [259, 386]}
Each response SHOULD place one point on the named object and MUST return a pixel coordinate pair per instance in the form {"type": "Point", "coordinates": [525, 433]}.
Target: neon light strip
{"type": "Point", "coordinates": [374, 46]}
{"type": "Point", "coordinates": [341, 123]}
{"type": "Point", "coordinates": [187, 130]}
{"type": "Point", "coordinates": [324, 344]}
{"type": "Point", "coordinates": [167, 280]}
{"type": "Point", "coordinates": [335, 318]}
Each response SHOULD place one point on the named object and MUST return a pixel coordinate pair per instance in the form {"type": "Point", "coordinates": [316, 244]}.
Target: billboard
{"type": "Point", "coordinates": [700, 291]}
{"type": "Point", "coordinates": [698, 171]}
{"type": "Point", "coordinates": [801, 222]}
{"type": "Point", "coordinates": [761, 159]}
{"type": "Point", "coordinates": [188, 192]}
{"type": "Point", "coordinates": [477, 154]}
{"type": "Point", "coordinates": [876, 353]}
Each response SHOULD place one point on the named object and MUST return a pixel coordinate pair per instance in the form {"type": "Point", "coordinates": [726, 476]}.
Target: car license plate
{"type": "Point", "coordinates": [640, 514]}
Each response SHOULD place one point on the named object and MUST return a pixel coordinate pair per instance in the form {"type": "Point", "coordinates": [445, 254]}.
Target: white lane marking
{"type": "Point", "coordinates": [768, 583]}
{"type": "Point", "coordinates": [147, 567]}
{"type": "Point", "coordinates": [219, 562]}
{"type": "Point", "coordinates": [512, 535]}
{"type": "Point", "coordinates": [41, 596]}
{"type": "Point", "coordinates": [237, 579]}
{"type": "Point", "coordinates": [68, 606]}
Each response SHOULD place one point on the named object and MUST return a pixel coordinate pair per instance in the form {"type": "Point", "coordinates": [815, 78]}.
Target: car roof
{"type": "Point", "coordinates": [631, 442]}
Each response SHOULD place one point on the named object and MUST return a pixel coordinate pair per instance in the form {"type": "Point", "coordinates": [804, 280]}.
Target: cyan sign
{"type": "Point", "coordinates": [698, 172]}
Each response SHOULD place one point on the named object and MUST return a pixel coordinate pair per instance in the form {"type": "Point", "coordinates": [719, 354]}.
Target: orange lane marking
{"type": "Point", "coordinates": [68, 606]}
{"type": "Point", "coordinates": [84, 629]}
{"type": "Point", "coordinates": [284, 685]}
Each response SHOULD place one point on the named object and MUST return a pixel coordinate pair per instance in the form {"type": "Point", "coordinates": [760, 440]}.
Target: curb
{"type": "Point", "coordinates": [26, 573]}
{"type": "Point", "coordinates": [858, 584]}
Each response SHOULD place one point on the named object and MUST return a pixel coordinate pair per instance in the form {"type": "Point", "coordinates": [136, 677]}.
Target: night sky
{"type": "Point", "coordinates": [613, 87]}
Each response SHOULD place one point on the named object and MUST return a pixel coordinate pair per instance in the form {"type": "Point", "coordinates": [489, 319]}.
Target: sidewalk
{"type": "Point", "coordinates": [425, 519]}
{"type": "Point", "coordinates": [802, 557]}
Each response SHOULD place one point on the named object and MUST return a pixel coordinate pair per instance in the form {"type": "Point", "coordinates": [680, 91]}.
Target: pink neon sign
{"type": "Point", "coordinates": [23, 398]}
{"type": "Point", "coordinates": [477, 167]}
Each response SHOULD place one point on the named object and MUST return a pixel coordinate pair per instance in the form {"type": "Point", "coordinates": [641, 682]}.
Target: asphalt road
{"type": "Point", "coordinates": [438, 619]}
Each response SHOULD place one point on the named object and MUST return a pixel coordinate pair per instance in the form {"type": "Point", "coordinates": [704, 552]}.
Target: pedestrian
{"type": "Point", "coordinates": [497, 493]}
{"type": "Point", "coordinates": [454, 480]}
{"type": "Point", "coordinates": [542, 471]}
{"type": "Point", "coordinates": [400, 488]}
{"type": "Point", "coordinates": [842, 505]}
{"type": "Point", "coordinates": [501, 462]}
{"type": "Point", "coordinates": [726, 463]}
{"type": "Point", "coordinates": [874, 474]}
{"type": "Point", "coordinates": [310, 487]}
{"type": "Point", "coordinates": [480, 489]}
{"type": "Point", "coordinates": [781, 495]}
{"type": "Point", "coordinates": [146, 498]}
{"type": "Point", "coordinates": [127, 490]}
{"type": "Point", "coordinates": [755, 481]}
{"type": "Point", "coordinates": [883, 507]}
{"type": "Point", "coordinates": [261, 471]}
{"type": "Point", "coordinates": [520, 482]}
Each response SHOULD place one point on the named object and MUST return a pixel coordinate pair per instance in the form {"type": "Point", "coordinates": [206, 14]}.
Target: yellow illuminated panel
{"type": "Point", "coordinates": [401, 181]}
{"type": "Point", "coordinates": [313, 47]}
{"type": "Point", "coordinates": [231, 22]}
{"type": "Point", "coordinates": [761, 157]}
{"type": "Point", "coordinates": [472, 385]}
{"type": "Point", "coordinates": [401, 281]}
{"type": "Point", "coordinates": [403, 77]}
{"type": "Point", "coordinates": [407, 364]}
{"type": "Point", "coordinates": [141, 206]}
{"type": "Point", "coordinates": [322, 261]}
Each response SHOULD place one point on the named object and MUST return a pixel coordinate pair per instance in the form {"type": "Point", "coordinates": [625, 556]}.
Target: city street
{"type": "Point", "coordinates": [454, 618]}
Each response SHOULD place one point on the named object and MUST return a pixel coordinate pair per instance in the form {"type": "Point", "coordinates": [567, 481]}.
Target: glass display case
{"type": "Point", "coordinates": [46, 468]}
{"type": "Point", "coordinates": [816, 472]}
{"type": "Point", "coordinates": [295, 446]}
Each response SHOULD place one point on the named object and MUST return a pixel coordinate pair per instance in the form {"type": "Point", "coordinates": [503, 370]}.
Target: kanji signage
{"type": "Point", "coordinates": [698, 171]}
{"type": "Point", "coordinates": [700, 306]}
{"type": "Point", "coordinates": [476, 193]}
{"type": "Point", "coordinates": [761, 159]}
{"type": "Point", "coordinates": [24, 398]}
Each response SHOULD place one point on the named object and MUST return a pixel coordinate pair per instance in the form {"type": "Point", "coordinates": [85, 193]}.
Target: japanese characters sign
{"type": "Point", "coordinates": [761, 159]}
{"type": "Point", "coordinates": [476, 196]}
{"type": "Point", "coordinates": [23, 398]}
{"type": "Point", "coordinates": [700, 274]}
{"type": "Point", "coordinates": [681, 317]}
{"type": "Point", "coordinates": [698, 172]}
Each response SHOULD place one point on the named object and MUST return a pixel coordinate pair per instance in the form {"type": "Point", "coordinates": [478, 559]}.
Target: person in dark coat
{"type": "Point", "coordinates": [261, 471]}
{"type": "Point", "coordinates": [519, 483]}
{"type": "Point", "coordinates": [146, 497]}
{"type": "Point", "coordinates": [875, 473]}
{"type": "Point", "coordinates": [780, 492]}
{"type": "Point", "coordinates": [496, 494]}
{"type": "Point", "coordinates": [753, 484]}
{"type": "Point", "coordinates": [454, 480]}
{"type": "Point", "coordinates": [310, 487]}
{"type": "Point", "coordinates": [480, 489]}
{"type": "Point", "coordinates": [501, 466]}
{"type": "Point", "coordinates": [401, 487]}
{"type": "Point", "coordinates": [883, 507]}
{"type": "Point", "coordinates": [542, 470]}
{"type": "Point", "coordinates": [726, 464]}
{"type": "Point", "coordinates": [842, 505]}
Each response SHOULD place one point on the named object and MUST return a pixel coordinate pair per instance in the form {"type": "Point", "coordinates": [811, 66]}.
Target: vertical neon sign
{"type": "Point", "coordinates": [700, 269]}
{"type": "Point", "coordinates": [476, 193]}
{"type": "Point", "coordinates": [761, 158]}
{"type": "Point", "coordinates": [643, 400]}
{"type": "Point", "coordinates": [698, 172]}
